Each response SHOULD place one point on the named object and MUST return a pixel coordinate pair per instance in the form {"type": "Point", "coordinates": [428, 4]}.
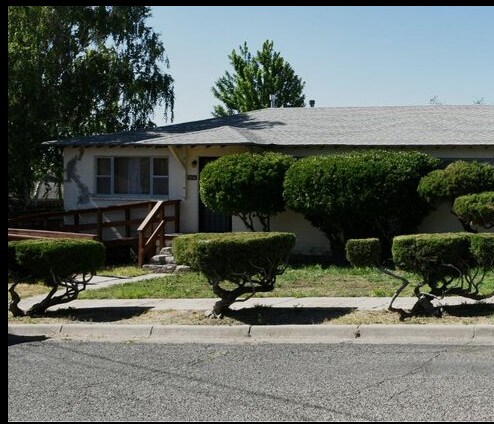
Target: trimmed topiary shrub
{"type": "Point", "coordinates": [57, 263]}
{"type": "Point", "coordinates": [247, 185]}
{"type": "Point", "coordinates": [428, 254]}
{"type": "Point", "coordinates": [457, 179]}
{"type": "Point", "coordinates": [249, 261]}
{"type": "Point", "coordinates": [482, 250]}
{"type": "Point", "coordinates": [370, 193]}
{"type": "Point", "coordinates": [448, 263]}
{"type": "Point", "coordinates": [364, 252]}
{"type": "Point", "coordinates": [476, 209]}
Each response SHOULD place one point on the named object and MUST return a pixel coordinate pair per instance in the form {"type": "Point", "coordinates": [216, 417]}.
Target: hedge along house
{"type": "Point", "coordinates": [165, 162]}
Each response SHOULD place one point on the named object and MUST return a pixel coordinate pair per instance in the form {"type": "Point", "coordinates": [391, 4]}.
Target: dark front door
{"type": "Point", "coordinates": [210, 221]}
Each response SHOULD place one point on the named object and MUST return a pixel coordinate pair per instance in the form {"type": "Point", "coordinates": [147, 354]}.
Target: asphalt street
{"type": "Point", "coordinates": [61, 380]}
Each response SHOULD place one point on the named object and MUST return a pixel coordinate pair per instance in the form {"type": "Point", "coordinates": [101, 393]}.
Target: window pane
{"type": "Point", "coordinates": [160, 185]}
{"type": "Point", "coordinates": [132, 175]}
{"type": "Point", "coordinates": [103, 185]}
{"type": "Point", "coordinates": [160, 166]}
{"type": "Point", "coordinates": [103, 166]}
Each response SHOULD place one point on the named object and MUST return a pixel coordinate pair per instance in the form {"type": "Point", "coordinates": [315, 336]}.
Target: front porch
{"type": "Point", "coordinates": [144, 227]}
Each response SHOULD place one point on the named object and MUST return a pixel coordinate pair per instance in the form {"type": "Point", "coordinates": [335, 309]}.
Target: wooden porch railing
{"type": "Point", "coordinates": [151, 232]}
{"type": "Point", "coordinates": [85, 220]}
{"type": "Point", "coordinates": [23, 234]}
{"type": "Point", "coordinates": [129, 226]}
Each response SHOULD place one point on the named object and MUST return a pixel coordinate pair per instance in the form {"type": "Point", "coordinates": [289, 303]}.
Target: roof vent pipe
{"type": "Point", "coordinates": [312, 103]}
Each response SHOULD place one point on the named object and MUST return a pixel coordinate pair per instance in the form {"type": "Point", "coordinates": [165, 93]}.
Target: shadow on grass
{"type": "Point", "coordinates": [106, 314]}
{"type": "Point", "coordinates": [470, 310]}
{"type": "Point", "coordinates": [265, 315]}
{"type": "Point", "coordinates": [14, 339]}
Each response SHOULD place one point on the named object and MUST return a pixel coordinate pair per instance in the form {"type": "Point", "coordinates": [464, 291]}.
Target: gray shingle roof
{"type": "Point", "coordinates": [471, 125]}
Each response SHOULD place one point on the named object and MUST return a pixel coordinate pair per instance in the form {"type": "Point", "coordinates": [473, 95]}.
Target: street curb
{"type": "Point", "coordinates": [376, 333]}
{"type": "Point", "coordinates": [304, 333]}
{"type": "Point", "coordinates": [430, 333]}
{"type": "Point", "coordinates": [48, 330]}
{"type": "Point", "coordinates": [106, 330]}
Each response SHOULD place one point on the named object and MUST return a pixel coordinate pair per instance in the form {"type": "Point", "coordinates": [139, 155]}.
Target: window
{"type": "Point", "coordinates": [103, 175]}
{"type": "Point", "coordinates": [132, 175]}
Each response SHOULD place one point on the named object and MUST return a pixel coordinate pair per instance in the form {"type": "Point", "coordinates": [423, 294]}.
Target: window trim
{"type": "Point", "coordinates": [152, 176]}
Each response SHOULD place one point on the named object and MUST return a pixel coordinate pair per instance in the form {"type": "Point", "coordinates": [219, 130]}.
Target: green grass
{"type": "Point", "coordinates": [123, 271]}
{"type": "Point", "coordinates": [307, 281]}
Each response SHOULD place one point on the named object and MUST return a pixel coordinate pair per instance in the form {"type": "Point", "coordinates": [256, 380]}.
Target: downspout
{"type": "Point", "coordinates": [182, 160]}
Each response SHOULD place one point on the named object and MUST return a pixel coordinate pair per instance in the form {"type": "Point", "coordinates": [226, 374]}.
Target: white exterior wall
{"type": "Point", "coordinates": [80, 176]}
{"type": "Point", "coordinates": [80, 180]}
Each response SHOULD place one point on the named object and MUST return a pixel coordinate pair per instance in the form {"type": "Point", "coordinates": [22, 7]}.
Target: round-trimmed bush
{"type": "Point", "coordinates": [35, 260]}
{"type": "Point", "coordinates": [251, 261]}
{"type": "Point", "coordinates": [369, 193]}
{"type": "Point", "coordinates": [246, 185]}
{"type": "Point", "coordinates": [364, 252]}
{"type": "Point", "coordinates": [457, 179]}
{"type": "Point", "coordinates": [58, 263]}
{"type": "Point", "coordinates": [233, 256]}
{"type": "Point", "coordinates": [482, 249]}
{"type": "Point", "coordinates": [476, 209]}
{"type": "Point", "coordinates": [433, 256]}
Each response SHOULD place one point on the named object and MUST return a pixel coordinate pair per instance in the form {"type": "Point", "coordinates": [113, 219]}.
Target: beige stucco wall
{"type": "Point", "coordinates": [310, 241]}
{"type": "Point", "coordinates": [79, 187]}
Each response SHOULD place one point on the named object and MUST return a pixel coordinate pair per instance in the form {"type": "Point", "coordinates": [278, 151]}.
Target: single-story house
{"type": "Point", "coordinates": [165, 162]}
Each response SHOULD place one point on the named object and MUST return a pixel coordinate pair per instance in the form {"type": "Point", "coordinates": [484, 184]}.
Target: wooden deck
{"type": "Point", "coordinates": [142, 226]}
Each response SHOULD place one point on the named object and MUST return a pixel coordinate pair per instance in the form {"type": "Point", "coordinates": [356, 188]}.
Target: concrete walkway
{"type": "Point", "coordinates": [479, 334]}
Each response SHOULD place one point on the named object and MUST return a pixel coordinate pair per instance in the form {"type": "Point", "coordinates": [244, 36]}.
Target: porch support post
{"type": "Point", "coordinates": [181, 158]}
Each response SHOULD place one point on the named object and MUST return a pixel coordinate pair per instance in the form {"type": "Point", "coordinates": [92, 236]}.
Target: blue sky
{"type": "Point", "coordinates": [348, 56]}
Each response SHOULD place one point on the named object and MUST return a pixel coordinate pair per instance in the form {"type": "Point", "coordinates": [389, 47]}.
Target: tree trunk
{"type": "Point", "coordinates": [14, 302]}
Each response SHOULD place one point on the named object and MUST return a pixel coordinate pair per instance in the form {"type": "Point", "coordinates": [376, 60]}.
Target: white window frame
{"type": "Point", "coordinates": [152, 176]}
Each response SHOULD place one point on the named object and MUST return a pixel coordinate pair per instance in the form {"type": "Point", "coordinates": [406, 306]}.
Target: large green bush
{"type": "Point", "coordinates": [246, 185]}
{"type": "Point", "coordinates": [370, 193]}
{"type": "Point", "coordinates": [66, 263]}
{"type": "Point", "coordinates": [249, 261]}
{"type": "Point", "coordinates": [476, 209]}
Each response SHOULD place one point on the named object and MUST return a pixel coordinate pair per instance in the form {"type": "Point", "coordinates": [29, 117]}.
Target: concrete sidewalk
{"type": "Point", "coordinates": [314, 333]}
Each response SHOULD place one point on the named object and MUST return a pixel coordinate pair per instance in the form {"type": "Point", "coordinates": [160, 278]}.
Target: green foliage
{"type": "Point", "coordinates": [254, 79]}
{"type": "Point", "coordinates": [434, 257]}
{"type": "Point", "coordinates": [44, 259]}
{"type": "Point", "coordinates": [457, 179]}
{"type": "Point", "coordinates": [246, 185]}
{"type": "Point", "coordinates": [233, 256]}
{"type": "Point", "coordinates": [74, 71]}
{"type": "Point", "coordinates": [363, 253]}
{"type": "Point", "coordinates": [476, 209]}
{"type": "Point", "coordinates": [482, 250]}
{"type": "Point", "coordinates": [369, 193]}
{"type": "Point", "coordinates": [249, 261]}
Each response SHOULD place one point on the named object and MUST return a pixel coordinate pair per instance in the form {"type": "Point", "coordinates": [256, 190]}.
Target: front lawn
{"type": "Point", "coordinates": [306, 281]}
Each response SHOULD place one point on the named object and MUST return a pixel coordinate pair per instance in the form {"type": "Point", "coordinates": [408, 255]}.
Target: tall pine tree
{"type": "Point", "coordinates": [254, 79]}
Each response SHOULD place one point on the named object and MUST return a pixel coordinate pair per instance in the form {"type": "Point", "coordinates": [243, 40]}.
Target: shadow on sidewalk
{"type": "Point", "coordinates": [98, 314]}
{"type": "Point", "coordinates": [266, 315]}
